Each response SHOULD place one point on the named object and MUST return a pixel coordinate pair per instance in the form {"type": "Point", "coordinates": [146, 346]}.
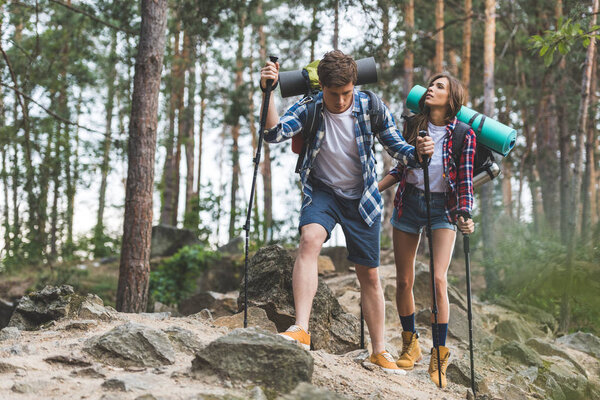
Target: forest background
{"type": "Point", "coordinates": [66, 83]}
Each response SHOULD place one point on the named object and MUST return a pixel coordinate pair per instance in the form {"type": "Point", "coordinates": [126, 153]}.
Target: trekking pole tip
{"type": "Point", "coordinates": [273, 58]}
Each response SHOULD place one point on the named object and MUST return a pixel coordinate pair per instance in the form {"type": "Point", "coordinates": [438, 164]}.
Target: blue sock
{"type": "Point", "coordinates": [439, 333]}
{"type": "Point", "coordinates": [408, 323]}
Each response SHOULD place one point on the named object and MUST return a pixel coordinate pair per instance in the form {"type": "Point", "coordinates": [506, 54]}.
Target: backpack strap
{"type": "Point", "coordinates": [460, 131]}
{"type": "Point", "coordinates": [376, 112]}
{"type": "Point", "coordinates": [309, 128]}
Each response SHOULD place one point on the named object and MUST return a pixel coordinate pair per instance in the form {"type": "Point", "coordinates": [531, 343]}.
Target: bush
{"type": "Point", "coordinates": [175, 278]}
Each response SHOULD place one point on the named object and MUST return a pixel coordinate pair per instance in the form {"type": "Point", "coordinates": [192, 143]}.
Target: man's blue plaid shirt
{"type": "Point", "coordinates": [371, 204]}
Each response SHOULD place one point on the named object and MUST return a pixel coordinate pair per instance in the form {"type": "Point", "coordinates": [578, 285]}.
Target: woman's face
{"type": "Point", "coordinates": [438, 93]}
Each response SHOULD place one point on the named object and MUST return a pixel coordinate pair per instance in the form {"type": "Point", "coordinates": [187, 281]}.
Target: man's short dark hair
{"type": "Point", "coordinates": [337, 69]}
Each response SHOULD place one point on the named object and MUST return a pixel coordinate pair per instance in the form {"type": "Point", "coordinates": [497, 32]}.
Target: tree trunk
{"type": "Point", "coordinates": [563, 142]}
{"type": "Point", "coordinates": [487, 218]}
{"type": "Point", "coordinates": [191, 218]}
{"type": "Point", "coordinates": [168, 206]}
{"type": "Point", "coordinates": [72, 176]}
{"type": "Point", "coordinates": [409, 57]}
{"type": "Point", "coordinates": [235, 131]}
{"type": "Point", "coordinates": [266, 162]}
{"type": "Point", "coordinates": [466, 49]}
{"type": "Point", "coordinates": [4, 148]}
{"type": "Point", "coordinates": [314, 31]}
{"type": "Point", "coordinates": [134, 270]}
{"type": "Point", "coordinates": [99, 250]}
{"type": "Point", "coordinates": [388, 161]}
{"type": "Point", "coordinates": [254, 137]}
{"type": "Point", "coordinates": [438, 62]}
{"type": "Point", "coordinates": [336, 24]}
{"type": "Point", "coordinates": [587, 217]}
{"type": "Point", "coordinates": [582, 120]}
{"type": "Point", "coordinates": [203, 76]}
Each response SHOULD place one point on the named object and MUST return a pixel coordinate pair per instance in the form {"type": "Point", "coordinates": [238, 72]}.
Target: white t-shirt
{"type": "Point", "coordinates": [437, 182]}
{"type": "Point", "coordinates": [338, 162]}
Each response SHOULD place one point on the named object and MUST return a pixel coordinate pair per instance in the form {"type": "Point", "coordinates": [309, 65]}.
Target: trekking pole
{"type": "Point", "coordinates": [466, 241]}
{"type": "Point", "coordinates": [362, 327]}
{"type": "Point", "coordinates": [256, 160]}
{"type": "Point", "coordinates": [434, 310]}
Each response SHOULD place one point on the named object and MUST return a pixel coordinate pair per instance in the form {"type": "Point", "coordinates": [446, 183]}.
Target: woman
{"type": "Point", "coordinates": [451, 189]}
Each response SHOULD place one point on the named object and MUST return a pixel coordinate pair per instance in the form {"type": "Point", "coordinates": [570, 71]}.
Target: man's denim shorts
{"type": "Point", "coordinates": [328, 209]}
{"type": "Point", "coordinates": [414, 211]}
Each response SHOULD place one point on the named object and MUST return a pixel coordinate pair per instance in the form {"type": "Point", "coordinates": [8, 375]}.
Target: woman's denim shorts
{"type": "Point", "coordinates": [414, 211]}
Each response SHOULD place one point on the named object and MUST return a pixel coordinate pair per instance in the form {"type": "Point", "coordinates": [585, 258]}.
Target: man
{"type": "Point", "coordinates": [339, 184]}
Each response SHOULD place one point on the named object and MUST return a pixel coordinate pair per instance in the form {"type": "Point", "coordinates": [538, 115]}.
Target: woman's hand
{"type": "Point", "coordinates": [424, 146]}
{"type": "Point", "coordinates": [466, 226]}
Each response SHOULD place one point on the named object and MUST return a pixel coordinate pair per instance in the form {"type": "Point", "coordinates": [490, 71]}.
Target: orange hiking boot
{"type": "Point", "coordinates": [386, 362]}
{"type": "Point", "coordinates": [433, 367]}
{"type": "Point", "coordinates": [295, 333]}
{"type": "Point", "coordinates": [411, 351]}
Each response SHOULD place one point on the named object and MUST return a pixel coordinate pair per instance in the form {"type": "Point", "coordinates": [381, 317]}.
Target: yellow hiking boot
{"type": "Point", "coordinates": [411, 351]}
{"type": "Point", "coordinates": [297, 334]}
{"type": "Point", "coordinates": [433, 367]}
{"type": "Point", "coordinates": [386, 362]}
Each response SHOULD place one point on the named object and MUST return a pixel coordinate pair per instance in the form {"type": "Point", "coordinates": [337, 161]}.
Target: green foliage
{"type": "Point", "coordinates": [175, 277]}
{"type": "Point", "coordinates": [567, 34]}
{"type": "Point", "coordinates": [531, 268]}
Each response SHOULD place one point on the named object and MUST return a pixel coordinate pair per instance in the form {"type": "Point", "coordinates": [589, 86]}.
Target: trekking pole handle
{"type": "Point", "coordinates": [273, 59]}
{"type": "Point", "coordinates": [424, 159]}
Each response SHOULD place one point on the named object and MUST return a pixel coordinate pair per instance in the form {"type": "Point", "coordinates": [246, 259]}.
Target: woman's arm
{"type": "Point", "coordinates": [386, 182]}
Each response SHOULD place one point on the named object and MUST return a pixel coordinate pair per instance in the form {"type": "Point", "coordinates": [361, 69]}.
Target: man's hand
{"type": "Point", "coordinates": [424, 146]}
{"type": "Point", "coordinates": [466, 226]}
{"type": "Point", "coordinates": [269, 71]}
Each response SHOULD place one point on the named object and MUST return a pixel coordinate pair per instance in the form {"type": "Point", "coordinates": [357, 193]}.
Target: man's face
{"type": "Point", "coordinates": [338, 99]}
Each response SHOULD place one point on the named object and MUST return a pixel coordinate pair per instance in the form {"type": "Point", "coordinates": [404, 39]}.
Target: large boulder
{"type": "Point", "coordinates": [573, 385]}
{"type": "Point", "coordinates": [521, 353]}
{"type": "Point", "coordinates": [257, 317]}
{"type": "Point", "coordinates": [219, 304]}
{"type": "Point", "coordinates": [585, 342]}
{"type": "Point", "coordinates": [516, 329]}
{"type": "Point", "coordinates": [6, 311]}
{"type": "Point", "coordinates": [166, 240]}
{"type": "Point", "coordinates": [258, 356]}
{"type": "Point", "coordinates": [270, 288]}
{"type": "Point", "coordinates": [53, 303]}
{"type": "Point", "coordinates": [132, 344]}
{"type": "Point", "coordinates": [223, 275]}
{"type": "Point", "coordinates": [339, 257]}
{"type": "Point", "coordinates": [306, 391]}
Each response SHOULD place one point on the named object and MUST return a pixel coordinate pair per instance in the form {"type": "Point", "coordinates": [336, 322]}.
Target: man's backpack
{"type": "Point", "coordinates": [302, 142]}
{"type": "Point", "coordinates": [485, 167]}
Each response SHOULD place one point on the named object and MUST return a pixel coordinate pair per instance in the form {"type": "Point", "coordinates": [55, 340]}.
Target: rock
{"type": "Point", "coordinates": [82, 325]}
{"type": "Point", "coordinates": [259, 356]}
{"type": "Point", "coordinates": [132, 344]}
{"type": "Point", "coordinates": [573, 385]}
{"type": "Point", "coordinates": [535, 314]}
{"type": "Point", "coordinates": [585, 342]}
{"type": "Point", "coordinates": [270, 288]}
{"type": "Point", "coordinates": [183, 339]}
{"type": "Point", "coordinates": [53, 303]}
{"type": "Point", "coordinates": [421, 289]}
{"type": "Point", "coordinates": [552, 388]}
{"type": "Point", "coordinates": [6, 368]}
{"type": "Point", "coordinates": [157, 316]}
{"type": "Point", "coordinates": [325, 265]}
{"type": "Point", "coordinates": [423, 317]}
{"type": "Point", "coordinates": [548, 349]}
{"type": "Point", "coordinates": [223, 275]}
{"type": "Point", "coordinates": [127, 383]}
{"type": "Point", "coordinates": [358, 356]}
{"type": "Point", "coordinates": [93, 308]}
{"type": "Point", "coordinates": [219, 304]}
{"type": "Point", "coordinates": [235, 246]}
{"type": "Point", "coordinates": [91, 372]}
{"type": "Point", "coordinates": [6, 311]}
{"type": "Point", "coordinates": [28, 387]}
{"type": "Point", "coordinates": [389, 293]}
{"type": "Point", "coordinates": [159, 307]}
{"type": "Point", "coordinates": [350, 302]}
{"type": "Point", "coordinates": [458, 324]}
{"type": "Point", "coordinates": [306, 391]}
{"type": "Point", "coordinates": [256, 317]}
{"type": "Point", "coordinates": [9, 333]}
{"type": "Point", "coordinates": [456, 297]}
{"type": "Point", "coordinates": [521, 353]}
{"type": "Point", "coordinates": [339, 257]}
{"type": "Point", "coordinates": [391, 314]}
{"type": "Point", "coordinates": [203, 315]}
{"type": "Point", "coordinates": [512, 392]}
{"type": "Point", "coordinates": [167, 240]}
{"type": "Point", "coordinates": [459, 372]}
{"type": "Point", "coordinates": [513, 329]}
{"type": "Point", "coordinates": [73, 361]}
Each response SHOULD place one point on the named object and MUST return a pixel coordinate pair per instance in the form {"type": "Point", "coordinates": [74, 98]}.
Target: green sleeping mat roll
{"type": "Point", "coordinates": [491, 133]}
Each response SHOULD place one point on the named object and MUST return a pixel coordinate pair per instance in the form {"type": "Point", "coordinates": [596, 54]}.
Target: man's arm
{"type": "Point", "coordinates": [394, 143]}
